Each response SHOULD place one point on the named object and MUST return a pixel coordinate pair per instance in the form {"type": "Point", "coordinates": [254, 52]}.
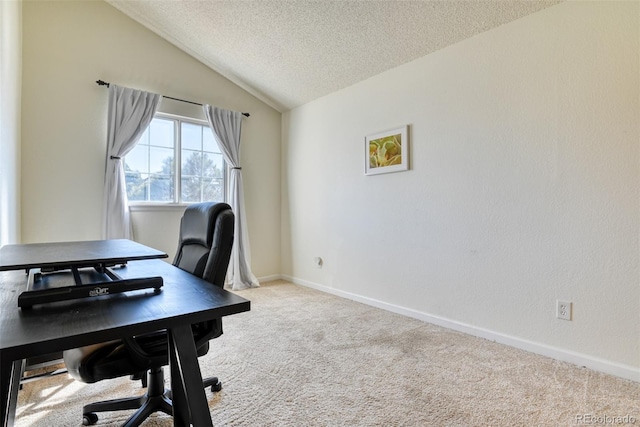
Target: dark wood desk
{"type": "Point", "coordinates": [58, 326]}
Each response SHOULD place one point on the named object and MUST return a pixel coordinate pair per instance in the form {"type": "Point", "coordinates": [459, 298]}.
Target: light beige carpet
{"type": "Point", "coordinates": [305, 358]}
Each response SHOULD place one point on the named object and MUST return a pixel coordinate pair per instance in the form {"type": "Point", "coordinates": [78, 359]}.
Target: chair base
{"type": "Point", "coordinates": [156, 399]}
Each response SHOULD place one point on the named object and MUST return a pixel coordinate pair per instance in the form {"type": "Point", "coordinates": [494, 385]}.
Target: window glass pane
{"type": "Point", "coordinates": [212, 165]}
{"type": "Point", "coordinates": [191, 136]}
{"type": "Point", "coordinates": [208, 142]}
{"type": "Point", "coordinates": [191, 176]}
{"type": "Point", "coordinates": [191, 163]}
{"type": "Point", "coordinates": [161, 132]}
{"type": "Point", "coordinates": [137, 159]}
{"type": "Point", "coordinates": [161, 188]}
{"type": "Point", "coordinates": [191, 188]}
{"type": "Point", "coordinates": [137, 186]}
{"type": "Point", "coordinates": [213, 189]}
{"type": "Point", "coordinates": [161, 160]}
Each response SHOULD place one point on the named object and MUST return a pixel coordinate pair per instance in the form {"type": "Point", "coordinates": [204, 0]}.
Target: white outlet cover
{"type": "Point", "coordinates": [563, 310]}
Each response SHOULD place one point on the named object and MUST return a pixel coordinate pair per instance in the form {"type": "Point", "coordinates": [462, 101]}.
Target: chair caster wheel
{"type": "Point", "coordinates": [216, 387]}
{"type": "Point", "coordinates": [89, 419]}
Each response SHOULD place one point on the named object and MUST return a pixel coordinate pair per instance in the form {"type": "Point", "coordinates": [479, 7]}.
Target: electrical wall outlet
{"type": "Point", "coordinates": [563, 310]}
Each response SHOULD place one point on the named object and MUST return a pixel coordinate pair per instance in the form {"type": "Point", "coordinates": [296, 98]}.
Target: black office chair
{"type": "Point", "coordinates": [204, 249]}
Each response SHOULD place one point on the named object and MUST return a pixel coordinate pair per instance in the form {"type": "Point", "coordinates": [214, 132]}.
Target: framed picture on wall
{"type": "Point", "coordinates": [387, 151]}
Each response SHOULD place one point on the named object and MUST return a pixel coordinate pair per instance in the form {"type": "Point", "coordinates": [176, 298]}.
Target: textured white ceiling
{"type": "Point", "coordinates": [291, 52]}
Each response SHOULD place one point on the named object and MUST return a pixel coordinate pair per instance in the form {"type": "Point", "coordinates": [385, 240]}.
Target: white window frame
{"type": "Point", "coordinates": [138, 205]}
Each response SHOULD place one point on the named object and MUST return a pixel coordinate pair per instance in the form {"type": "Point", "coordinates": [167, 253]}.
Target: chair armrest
{"type": "Point", "coordinates": [147, 349]}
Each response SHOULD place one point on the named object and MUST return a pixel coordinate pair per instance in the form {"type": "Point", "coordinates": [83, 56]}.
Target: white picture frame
{"type": "Point", "coordinates": [387, 151]}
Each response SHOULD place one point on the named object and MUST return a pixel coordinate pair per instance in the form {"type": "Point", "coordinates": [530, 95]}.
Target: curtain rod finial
{"type": "Point", "coordinates": [102, 83]}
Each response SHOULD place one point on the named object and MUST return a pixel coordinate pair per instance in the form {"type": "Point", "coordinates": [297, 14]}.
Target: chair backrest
{"type": "Point", "coordinates": [206, 238]}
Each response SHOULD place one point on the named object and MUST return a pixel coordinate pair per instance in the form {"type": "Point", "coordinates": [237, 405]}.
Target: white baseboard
{"type": "Point", "coordinates": [270, 278]}
{"type": "Point", "coordinates": [601, 365]}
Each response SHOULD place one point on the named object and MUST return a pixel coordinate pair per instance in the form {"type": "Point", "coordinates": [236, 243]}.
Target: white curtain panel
{"type": "Point", "coordinates": [10, 103]}
{"type": "Point", "coordinates": [130, 112]}
{"type": "Point", "coordinates": [226, 127]}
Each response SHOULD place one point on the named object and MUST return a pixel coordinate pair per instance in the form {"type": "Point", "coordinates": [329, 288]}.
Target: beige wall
{"type": "Point", "coordinates": [67, 46]}
{"type": "Point", "coordinates": [523, 187]}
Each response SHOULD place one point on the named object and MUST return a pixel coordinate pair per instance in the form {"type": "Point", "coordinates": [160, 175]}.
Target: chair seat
{"type": "Point", "coordinates": [113, 359]}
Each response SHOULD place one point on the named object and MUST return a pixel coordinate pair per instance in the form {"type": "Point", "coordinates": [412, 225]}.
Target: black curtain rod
{"type": "Point", "coordinates": [103, 83]}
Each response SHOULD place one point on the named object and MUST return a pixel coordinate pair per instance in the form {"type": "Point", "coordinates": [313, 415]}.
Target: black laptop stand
{"type": "Point", "coordinates": [42, 261]}
{"type": "Point", "coordinates": [113, 285]}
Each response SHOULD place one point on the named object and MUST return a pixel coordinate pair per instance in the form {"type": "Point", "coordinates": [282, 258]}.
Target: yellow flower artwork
{"type": "Point", "coordinates": [385, 151]}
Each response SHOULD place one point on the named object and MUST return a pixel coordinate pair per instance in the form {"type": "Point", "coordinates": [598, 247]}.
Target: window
{"type": "Point", "coordinates": [176, 160]}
